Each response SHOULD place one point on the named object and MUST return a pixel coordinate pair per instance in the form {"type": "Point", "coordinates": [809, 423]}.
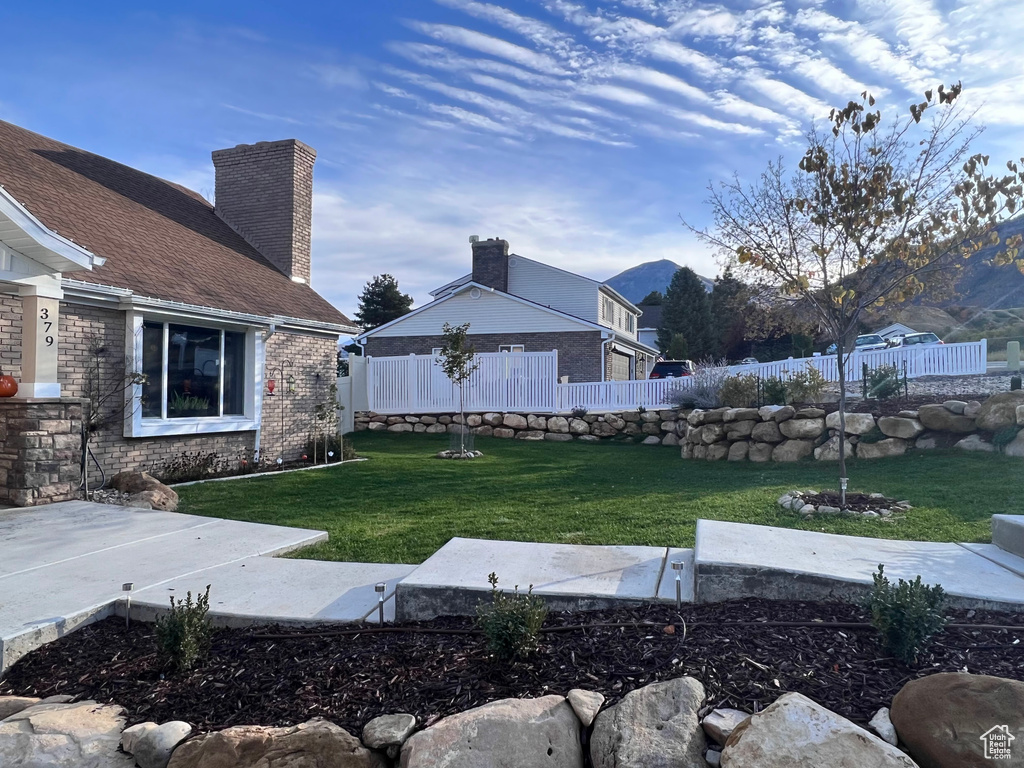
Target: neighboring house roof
{"type": "Point", "coordinates": [460, 281]}
{"type": "Point", "coordinates": [894, 330]}
{"type": "Point", "coordinates": [160, 240]}
{"type": "Point", "coordinates": [525, 302]}
{"type": "Point", "coordinates": [651, 317]}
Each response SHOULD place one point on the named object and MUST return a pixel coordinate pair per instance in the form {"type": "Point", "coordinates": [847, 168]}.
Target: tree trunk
{"type": "Point", "coordinates": [462, 426]}
{"type": "Point", "coordinates": [841, 363]}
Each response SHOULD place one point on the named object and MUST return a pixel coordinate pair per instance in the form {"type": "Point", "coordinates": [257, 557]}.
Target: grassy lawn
{"type": "Point", "coordinates": [403, 504]}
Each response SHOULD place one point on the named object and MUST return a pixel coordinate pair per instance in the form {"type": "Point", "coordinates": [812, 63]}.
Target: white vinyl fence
{"type": "Point", "coordinates": [504, 381]}
{"type": "Point", "coordinates": [528, 381]}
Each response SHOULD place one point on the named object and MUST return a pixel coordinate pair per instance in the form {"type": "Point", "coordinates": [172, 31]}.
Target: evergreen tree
{"type": "Point", "coordinates": [729, 300]}
{"type": "Point", "coordinates": [653, 299]}
{"type": "Point", "coordinates": [678, 349]}
{"type": "Point", "coordinates": [381, 302]}
{"type": "Point", "coordinates": [687, 310]}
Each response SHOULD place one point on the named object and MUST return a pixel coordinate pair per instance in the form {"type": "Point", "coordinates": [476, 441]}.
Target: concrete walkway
{"type": "Point", "coordinates": [63, 565]}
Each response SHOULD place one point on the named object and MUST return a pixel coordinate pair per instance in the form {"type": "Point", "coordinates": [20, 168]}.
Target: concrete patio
{"type": "Point", "coordinates": [63, 565]}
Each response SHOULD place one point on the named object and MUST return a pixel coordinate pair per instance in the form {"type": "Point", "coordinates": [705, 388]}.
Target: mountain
{"type": "Point", "coordinates": [986, 286]}
{"type": "Point", "coordinates": [636, 282]}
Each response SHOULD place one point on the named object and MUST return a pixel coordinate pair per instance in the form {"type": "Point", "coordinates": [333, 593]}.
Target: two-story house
{"type": "Point", "coordinates": [515, 304]}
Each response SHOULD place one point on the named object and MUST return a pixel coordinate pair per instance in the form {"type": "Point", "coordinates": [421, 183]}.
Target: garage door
{"type": "Point", "coordinates": [620, 366]}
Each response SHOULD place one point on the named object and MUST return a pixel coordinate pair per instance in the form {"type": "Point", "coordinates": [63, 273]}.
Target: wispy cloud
{"type": "Point", "coordinates": [493, 46]}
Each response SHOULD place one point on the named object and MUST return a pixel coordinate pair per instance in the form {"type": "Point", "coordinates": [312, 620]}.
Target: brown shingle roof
{"type": "Point", "coordinates": [160, 240]}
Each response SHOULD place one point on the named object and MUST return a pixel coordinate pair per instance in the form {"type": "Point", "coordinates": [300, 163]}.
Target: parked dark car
{"type": "Point", "coordinates": [671, 369]}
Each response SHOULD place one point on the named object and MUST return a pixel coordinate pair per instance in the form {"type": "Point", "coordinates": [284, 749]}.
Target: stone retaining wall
{"type": "Point", "coordinates": [648, 427]}
{"type": "Point", "coordinates": [772, 433]}
{"type": "Point", "coordinates": [785, 433]}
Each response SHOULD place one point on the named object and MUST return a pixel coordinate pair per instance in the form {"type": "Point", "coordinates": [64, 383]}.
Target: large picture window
{"type": "Point", "coordinates": [192, 372]}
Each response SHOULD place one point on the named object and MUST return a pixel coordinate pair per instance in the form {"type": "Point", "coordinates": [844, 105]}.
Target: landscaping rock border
{"type": "Point", "coordinates": [802, 502]}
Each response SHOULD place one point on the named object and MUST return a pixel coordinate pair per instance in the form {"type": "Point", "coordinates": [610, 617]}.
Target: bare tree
{"type": "Point", "coordinates": [458, 361]}
{"type": "Point", "coordinates": [876, 211]}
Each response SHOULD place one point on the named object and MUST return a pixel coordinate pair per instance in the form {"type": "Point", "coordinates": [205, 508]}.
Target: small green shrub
{"type": "Point", "coordinates": [183, 635]}
{"type": "Point", "coordinates": [1005, 436]}
{"type": "Point", "coordinates": [511, 622]}
{"type": "Point", "coordinates": [1014, 383]}
{"type": "Point", "coordinates": [739, 391]}
{"type": "Point", "coordinates": [806, 386]}
{"type": "Point", "coordinates": [579, 412]}
{"type": "Point", "coordinates": [906, 615]}
{"type": "Point", "coordinates": [773, 391]}
{"type": "Point", "coordinates": [883, 382]}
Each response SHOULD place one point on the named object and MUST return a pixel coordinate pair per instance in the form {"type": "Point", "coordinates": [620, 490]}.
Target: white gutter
{"type": "Point", "coordinates": [126, 299]}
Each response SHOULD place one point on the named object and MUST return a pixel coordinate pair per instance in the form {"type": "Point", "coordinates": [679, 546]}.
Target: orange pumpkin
{"type": "Point", "coordinates": [8, 386]}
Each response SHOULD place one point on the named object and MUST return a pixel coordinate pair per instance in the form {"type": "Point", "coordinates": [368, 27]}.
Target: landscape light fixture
{"type": "Point", "coordinates": [677, 566]}
{"type": "Point", "coordinates": [127, 588]}
{"type": "Point", "coordinates": [379, 589]}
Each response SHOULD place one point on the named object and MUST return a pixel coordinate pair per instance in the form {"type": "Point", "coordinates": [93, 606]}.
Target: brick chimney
{"type": "Point", "coordinates": [264, 192]}
{"type": "Point", "coordinates": [490, 263]}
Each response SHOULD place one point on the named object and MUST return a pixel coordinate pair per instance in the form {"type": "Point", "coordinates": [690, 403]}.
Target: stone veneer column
{"type": "Point", "coordinates": [40, 450]}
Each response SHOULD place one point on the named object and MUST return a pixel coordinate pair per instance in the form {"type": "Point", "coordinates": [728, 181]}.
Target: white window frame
{"type": "Point", "coordinates": [511, 348]}
{"type": "Point", "coordinates": [135, 425]}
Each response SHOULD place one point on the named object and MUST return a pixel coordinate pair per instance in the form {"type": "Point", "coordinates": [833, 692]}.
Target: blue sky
{"type": "Point", "coordinates": [579, 130]}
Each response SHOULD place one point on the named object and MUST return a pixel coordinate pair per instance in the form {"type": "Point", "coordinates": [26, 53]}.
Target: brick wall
{"type": "Point", "coordinates": [40, 450]}
{"type": "Point", "coordinates": [10, 336]}
{"type": "Point", "coordinates": [265, 192]}
{"type": "Point", "coordinates": [579, 353]}
{"type": "Point", "coordinates": [309, 354]}
{"type": "Point", "coordinates": [312, 361]}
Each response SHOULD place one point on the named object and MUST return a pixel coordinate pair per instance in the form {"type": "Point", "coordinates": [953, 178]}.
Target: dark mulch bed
{"type": "Point", "coordinates": [855, 502]}
{"type": "Point", "coordinates": [350, 679]}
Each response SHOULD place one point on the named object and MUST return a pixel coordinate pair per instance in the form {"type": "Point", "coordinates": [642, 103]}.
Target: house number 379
{"type": "Point", "coordinates": [44, 318]}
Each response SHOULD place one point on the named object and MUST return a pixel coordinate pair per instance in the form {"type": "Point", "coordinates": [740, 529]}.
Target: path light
{"type": "Point", "coordinates": [280, 461]}
{"type": "Point", "coordinates": [127, 588]}
{"type": "Point", "coordinates": [842, 487]}
{"type": "Point", "coordinates": [677, 566]}
{"type": "Point", "coordinates": [379, 589]}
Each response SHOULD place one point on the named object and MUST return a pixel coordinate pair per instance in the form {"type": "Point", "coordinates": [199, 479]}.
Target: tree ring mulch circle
{"type": "Point", "coordinates": [818, 503]}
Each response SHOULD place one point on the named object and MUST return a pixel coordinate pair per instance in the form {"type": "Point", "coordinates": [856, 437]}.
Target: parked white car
{"type": "Point", "coordinates": [870, 342]}
{"type": "Point", "coordinates": [917, 340]}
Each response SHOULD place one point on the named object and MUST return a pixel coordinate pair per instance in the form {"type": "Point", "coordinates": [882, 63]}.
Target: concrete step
{"type": "Point", "coordinates": [736, 560]}
{"type": "Point", "coordinates": [66, 569]}
{"type": "Point", "coordinates": [1008, 533]}
{"type": "Point", "coordinates": [453, 581]}
{"type": "Point", "coordinates": [267, 590]}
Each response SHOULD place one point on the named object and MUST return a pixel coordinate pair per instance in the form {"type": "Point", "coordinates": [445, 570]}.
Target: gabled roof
{"type": "Point", "coordinates": [158, 239]}
{"type": "Point", "coordinates": [460, 281]}
{"type": "Point", "coordinates": [470, 285]}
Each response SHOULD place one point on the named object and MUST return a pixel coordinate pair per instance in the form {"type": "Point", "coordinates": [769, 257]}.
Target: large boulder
{"type": "Point", "coordinates": [1000, 410]}
{"type": "Point", "coordinates": [492, 419]}
{"type": "Point", "coordinates": [942, 718]}
{"type": "Point", "coordinates": [829, 450]}
{"type": "Point", "coordinates": [856, 423]}
{"type": "Point", "coordinates": [719, 724]}
{"type": "Point", "coordinates": [82, 735]}
{"type": "Point", "coordinates": [792, 450]}
{"type": "Point", "coordinates": [802, 429]}
{"type": "Point", "coordinates": [389, 732]}
{"type": "Point", "coordinates": [578, 427]}
{"type": "Point", "coordinates": [537, 422]}
{"type": "Point", "coordinates": [511, 733]}
{"type": "Point", "coordinates": [1016, 446]}
{"type": "Point", "coordinates": [146, 489]}
{"type": "Point", "coordinates": [514, 421]}
{"type": "Point", "coordinates": [891, 446]}
{"type": "Point", "coordinates": [767, 432]}
{"type": "Point", "coordinates": [737, 430]}
{"type": "Point", "coordinates": [739, 450]}
{"type": "Point", "coordinates": [717, 452]}
{"type": "Point", "coordinates": [936, 418]}
{"type": "Point", "coordinates": [616, 422]}
{"type": "Point", "coordinates": [603, 429]}
{"type": "Point", "coordinates": [894, 426]}
{"type": "Point", "coordinates": [315, 743]}
{"type": "Point", "coordinates": [402, 427]}
{"type": "Point", "coordinates": [152, 745]}
{"type": "Point", "coordinates": [652, 727]}
{"type": "Point", "coordinates": [558, 424]}
{"type": "Point", "coordinates": [975, 443]}
{"type": "Point", "coordinates": [712, 433]}
{"type": "Point", "coordinates": [795, 732]}
{"type": "Point", "coordinates": [760, 452]}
